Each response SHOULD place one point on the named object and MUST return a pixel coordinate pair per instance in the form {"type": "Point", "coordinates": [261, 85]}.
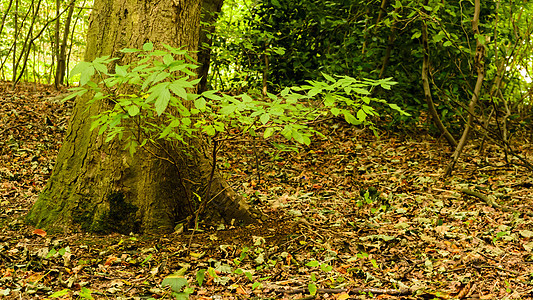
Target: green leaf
{"type": "Point", "coordinates": [186, 121]}
{"type": "Point", "coordinates": [178, 89]}
{"type": "Point", "coordinates": [256, 285]}
{"type": "Point", "coordinates": [51, 253]}
{"type": "Point", "coordinates": [437, 38]}
{"type": "Point", "coordinates": [248, 275]}
{"type": "Point", "coordinates": [161, 76]}
{"type": "Point", "coordinates": [335, 111]}
{"type": "Point", "coordinates": [211, 95]}
{"type": "Point", "coordinates": [268, 132]}
{"type": "Point", "coordinates": [328, 78]}
{"type": "Point", "coordinates": [246, 98]}
{"type": "Point", "coordinates": [298, 137]}
{"type": "Point", "coordinates": [121, 70]}
{"type": "Point", "coordinates": [329, 100]}
{"type": "Point", "coordinates": [314, 91]}
{"type": "Point", "coordinates": [168, 59]}
{"type": "Point", "coordinates": [200, 276]}
{"type": "Point", "coordinates": [162, 100]}
{"type": "Point", "coordinates": [102, 68]}
{"type": "Point", "coordinates": [307, 141]}
{"type": "Point", "coordinates": [326, 267]}
{"type": "Point", "coordinates": [312, 288]}
{"type": "Point", "coordinates": [361, 115]}
{"type": "Point", "coordinates": [133, 110]}
{"type": "Point", "coordinates": [361, 91]}
{"type": "Point", "coordinates": [200, 103]}
{"type": "Point", "coordinates": [265, 118]}
{"type": "Point", "coordinates": [76, 94]}
{"type": "Point", "coordinates": [287, 132]}
{"type": "Point", "coordinates": [165, 132]}
{"type": "Point", "coordinates": [210, 130]}
{"type": "Point", "coordinates": [80, 68]}
{"type": "Point", "coordinates": [86, 75]}
{"type": "Point", "coordinates": [175, 282]}
{"type": "Point", "coordinates": [374, 263]}
{"type": "Point", "coordinates": [416, 35]}
{"type": "Point", "coordinates": [228, 109]}
{"type": "Point", "coordinates": [58, 294]}
{"type": "Point", "coordinates": [351, 119]}
{"type": "Point", "coordinates": [85, 293]}
{"type": "Point", "coordinates": [313, 264]}
{"type": "Point", "coordinates": [148, 46]}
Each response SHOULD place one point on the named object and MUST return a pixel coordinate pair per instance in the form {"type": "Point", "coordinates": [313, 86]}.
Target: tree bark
{"type": "Point", "coordinates": [99, 187]}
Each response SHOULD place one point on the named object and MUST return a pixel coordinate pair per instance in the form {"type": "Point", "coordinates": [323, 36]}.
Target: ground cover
{"type": "Point", "coordinates": [351, 217]}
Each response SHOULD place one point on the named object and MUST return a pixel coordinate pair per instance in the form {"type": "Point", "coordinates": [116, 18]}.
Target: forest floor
{"type": "Point", "coordinates": [351, 217]}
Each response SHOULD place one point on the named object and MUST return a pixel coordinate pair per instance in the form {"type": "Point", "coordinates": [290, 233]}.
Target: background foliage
{"type": "Point", "coordinates": [292, 41]}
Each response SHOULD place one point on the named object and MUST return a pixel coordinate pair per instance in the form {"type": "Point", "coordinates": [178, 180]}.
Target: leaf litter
{"type": "Point", "coordinates": [350, 217]}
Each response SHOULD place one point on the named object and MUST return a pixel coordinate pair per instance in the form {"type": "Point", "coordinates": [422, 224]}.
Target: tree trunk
{"type": "Point", "coordinates": [99, 187]}
{"type": "Point", "coordinates": [210, 10]}
{"type": "Point", "coordinates": [62, 52]}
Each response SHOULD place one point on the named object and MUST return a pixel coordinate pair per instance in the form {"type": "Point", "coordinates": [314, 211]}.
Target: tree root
{"type": "Point", "coordinates": [392, 292]}
{"type": "Point", "coordinates": [490, 201]}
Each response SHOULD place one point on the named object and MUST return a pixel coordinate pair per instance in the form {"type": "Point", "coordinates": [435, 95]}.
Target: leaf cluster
{"type": "Point", "coordinates": [154, 98]}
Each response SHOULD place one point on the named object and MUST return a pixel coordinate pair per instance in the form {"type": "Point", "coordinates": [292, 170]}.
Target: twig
{"type": "Point", "coordinates": [497, 268]}
{"type": "Point", "coordinates": [12, 127]}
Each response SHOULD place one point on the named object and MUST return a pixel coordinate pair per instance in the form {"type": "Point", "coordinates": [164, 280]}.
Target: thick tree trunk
{"type": "Point", "coordinates": [99, 187]}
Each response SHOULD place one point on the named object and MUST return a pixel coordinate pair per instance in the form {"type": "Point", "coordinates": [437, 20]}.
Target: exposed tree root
{"type": "Point", "coordinates": [490, 201]}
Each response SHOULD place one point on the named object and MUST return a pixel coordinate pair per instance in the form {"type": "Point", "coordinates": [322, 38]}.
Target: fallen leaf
{"type": "Point", "coordinates": [39, 232]}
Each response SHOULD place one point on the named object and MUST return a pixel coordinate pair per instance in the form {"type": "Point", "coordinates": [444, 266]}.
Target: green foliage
{"type": "Point", "coordinates": [301, 39]}
{"type": "Point", "coordinates": [84, 293]}
{"type": "Point", "coordinates": [28, 28]}
{"type": "Point", "coordinates": [153, 99]}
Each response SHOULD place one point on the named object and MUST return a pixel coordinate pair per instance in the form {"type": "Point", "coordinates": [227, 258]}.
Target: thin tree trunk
{"type": "Point", "coordinates": [62, 55]}
{"type": "Point", "coordinates": [5, 16]}
{"type": "Point", "coordinates": [26, 47]}
{"type": "Point", "coordinates": [55, 44]}
{"type": "Point", "coordinates": [15, 39]}
{"type": "Point", "coordinates": [30, 43]}
{"type": "Point", "coordinates": [72, 39]}
{"type": "Point", "coordinates": [210, 11]}
{"type": "Point", "coordinates": [427, 90]}
{"type": "Point", "coordinates": [480, 68]}
{"type": "Point", "coordinates": [388, 51]}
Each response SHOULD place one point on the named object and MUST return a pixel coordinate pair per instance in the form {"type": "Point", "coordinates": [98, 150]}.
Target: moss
{"type": "Point", "coordinates": [82, 215]}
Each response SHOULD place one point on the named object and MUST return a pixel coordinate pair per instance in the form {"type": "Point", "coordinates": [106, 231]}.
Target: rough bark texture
{"type": "Point", "coordinates": [99, 187]}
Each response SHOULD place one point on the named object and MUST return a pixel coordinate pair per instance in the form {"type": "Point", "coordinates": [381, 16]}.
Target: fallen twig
{"type": "Point", "coordinates": [12, 127]}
